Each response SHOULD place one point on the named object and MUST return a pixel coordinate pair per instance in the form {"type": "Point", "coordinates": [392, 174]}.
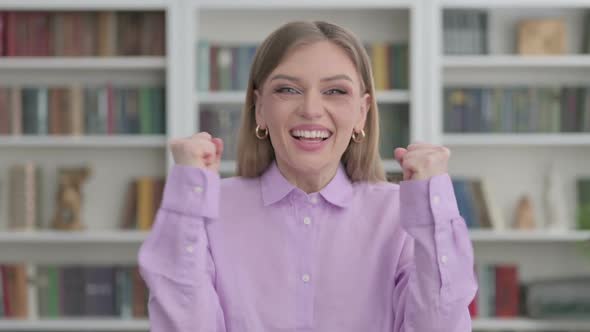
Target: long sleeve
{"type": "Point", "coordinates": [175, 260]}
{"type": "Point", "coordinates": [435, 281]}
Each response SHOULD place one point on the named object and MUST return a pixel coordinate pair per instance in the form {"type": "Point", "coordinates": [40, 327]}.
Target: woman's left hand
{"type": "Point", "coordinates": [421, 161]}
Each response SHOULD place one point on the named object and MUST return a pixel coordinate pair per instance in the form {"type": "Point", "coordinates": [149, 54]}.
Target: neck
{"type": "Point", "coordinates": [311, 182]}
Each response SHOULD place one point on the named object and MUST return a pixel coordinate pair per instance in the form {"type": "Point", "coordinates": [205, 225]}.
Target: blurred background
{"type": "Point", "coordinates": [91, 90]}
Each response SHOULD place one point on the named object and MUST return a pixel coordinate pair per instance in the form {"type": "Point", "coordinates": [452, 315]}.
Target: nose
{"type": "Point", "coordinates": [312, 107]}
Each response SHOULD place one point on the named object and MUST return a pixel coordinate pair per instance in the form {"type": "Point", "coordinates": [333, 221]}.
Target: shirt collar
{"type": "Point", "coordinates": [275, 187]}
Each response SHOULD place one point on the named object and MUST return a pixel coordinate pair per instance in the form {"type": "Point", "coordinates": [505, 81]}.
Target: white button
{"type": "Point", "coordinates": [198, 189]}
{"type": "Point", "coordinates": [305, 277]}
{"type": "Point", "coordinates": [307, 220]}
{"type": "Point", "coordinates": [436, 199]}
{"type": "Point", "coordinates": [189, 248]}
{"type": "Point", "coordinates": [444, 259]}
{"type": "Point", "coordinates": [314, 200]}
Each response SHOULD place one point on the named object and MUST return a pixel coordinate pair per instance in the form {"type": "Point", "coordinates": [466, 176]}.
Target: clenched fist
{"type": "Point", "coordinates": [200, 150]}
{"type": "Point", "coordinates": [421, 161]}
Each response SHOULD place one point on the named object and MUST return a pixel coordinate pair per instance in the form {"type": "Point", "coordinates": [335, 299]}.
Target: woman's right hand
{"type": "Point", "coordinates": [200, 150]}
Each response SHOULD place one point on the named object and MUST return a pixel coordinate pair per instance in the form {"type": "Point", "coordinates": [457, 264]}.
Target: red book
{"type": "Point", "coordinates": [507, 291]}
{"type": "Point", "coordinates": [10, 34]}
{"type": "Point", "coordinates": [473, 307]}
{"type": "Point", "coordinates": [2, 33]}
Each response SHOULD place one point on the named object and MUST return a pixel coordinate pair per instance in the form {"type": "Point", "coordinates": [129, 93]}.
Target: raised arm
{"type": "Point", "coordinates": [175, 260]}
{"type": "Point", "coordinates": [435, 281]}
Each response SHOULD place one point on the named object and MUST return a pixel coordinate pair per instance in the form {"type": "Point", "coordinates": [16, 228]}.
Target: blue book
{"type": "Point", "coordinates": [465, 202]}
{"type": "Point", "coordinates": [99, 291]}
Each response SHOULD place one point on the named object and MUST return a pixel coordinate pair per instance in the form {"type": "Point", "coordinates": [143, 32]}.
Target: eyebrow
{"type": "Point", "coordinates": [325, 79]}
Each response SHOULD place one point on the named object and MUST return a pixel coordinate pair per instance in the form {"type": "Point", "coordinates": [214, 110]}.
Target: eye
{"type": "Point", "coordinates": [286, 90]}
{"type": "Point", "coordinates": [336, 92]}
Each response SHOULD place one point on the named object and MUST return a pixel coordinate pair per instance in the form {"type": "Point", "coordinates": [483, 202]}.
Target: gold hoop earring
{"type": "Point", "coordinates": [264, 134]}
{"type": "Point", "coordinates": [355, 136]}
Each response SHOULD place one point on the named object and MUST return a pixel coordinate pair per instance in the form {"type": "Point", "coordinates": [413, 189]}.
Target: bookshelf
{"type": "Point", "coordinates": [136, 154]}
{"type": "Point", "coordinates": [515, 161]}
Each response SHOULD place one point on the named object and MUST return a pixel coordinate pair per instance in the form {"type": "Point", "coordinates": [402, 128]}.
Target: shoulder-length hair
{"type": "Point", "coordinates": [361, 160]}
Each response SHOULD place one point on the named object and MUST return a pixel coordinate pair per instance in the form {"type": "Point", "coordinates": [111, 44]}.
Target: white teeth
{"type": "Point", "coordinates": [311, 133]}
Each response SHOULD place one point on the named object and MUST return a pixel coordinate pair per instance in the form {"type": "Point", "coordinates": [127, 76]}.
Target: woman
{"type": "Point", "coordinates": [309, 237]}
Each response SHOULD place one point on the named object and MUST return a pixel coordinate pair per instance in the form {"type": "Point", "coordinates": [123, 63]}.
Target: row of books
{"type": "Point", "coordinates": [227, 67]}
{"type": "Point", "coordinates": [517, 109]}
{"type": "Point", "coordinates": [499, 293]}
{"type": "Point", "coordinates": [465, 31]}
{"type": "Point", "coordinates": [558, 298]}
{"type": "Point", "coordinates": [583, 190]}
{"type": "Point", "coordinates": [391, 65]}
{"type": "Point", "coordinates": [476, 204]}
{"type": "Point", "coordinates": [223, 67]}
{"type": "Point", "coordinates": [142, 201]}
{"type": "Point", "coordinates": [394, 129]}
{"type": "Point", "coordinates": [73, 291]}
{"type": "Point", "coordinates": [78, 110]}
{"type": "Point", "coordinates": [89, 33]}
{"type": "Point", "coordinates": [222, 122]}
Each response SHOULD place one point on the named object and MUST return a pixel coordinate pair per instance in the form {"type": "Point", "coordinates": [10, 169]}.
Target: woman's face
{"type": "Point", "coordinates": [310, 103]}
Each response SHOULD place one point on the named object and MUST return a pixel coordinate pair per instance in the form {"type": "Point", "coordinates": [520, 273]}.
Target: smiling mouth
{"type": "Point", "coordinates": [311, 135]}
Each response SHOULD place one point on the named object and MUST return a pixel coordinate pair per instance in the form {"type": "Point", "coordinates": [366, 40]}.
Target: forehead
{"type": "Point", "coordinates": [317, 60]}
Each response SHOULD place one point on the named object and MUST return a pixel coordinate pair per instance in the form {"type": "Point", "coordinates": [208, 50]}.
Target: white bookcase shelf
{"type": "Point", "coordinates": [524, 324]}
{"type": "Point", "coordinates": [88, 141]}
{"type": "Point", "coordinates": [86, 63]}
{"type": "Point", "coordinates": [517, 139]}
{"type": "Point", "coordinates": [525, 237]}
{"type": "Point", "coordinates": [537, 62]}
{"type": "Point", "coordinates": [57, 238]}
{"type": "Point", "coordinates": [75, 324]}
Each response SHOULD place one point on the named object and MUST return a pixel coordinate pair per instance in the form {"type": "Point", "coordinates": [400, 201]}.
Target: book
{"type": "Point", "coordinates": [5, 114]}
{"type": "Point", "coordinates": [583, 203]}
{"type": "Point", "coordinates": [24, 205]}
{"type": "Point", "coordinates": [100, 290]}
{"type": "Point", "coordinates": [507, 291]}
{"type": "Point", "coordinates": [558, 298]}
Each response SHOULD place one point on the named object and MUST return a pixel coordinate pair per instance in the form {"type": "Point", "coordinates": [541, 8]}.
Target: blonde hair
{"type": "Point", "coordinates": [361, 160]}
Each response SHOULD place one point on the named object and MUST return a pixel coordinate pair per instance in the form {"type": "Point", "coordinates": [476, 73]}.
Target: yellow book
{"type": "Point", "coordinates": [145, 203]}
{"type": "Point", "coordinates": [380, 66]}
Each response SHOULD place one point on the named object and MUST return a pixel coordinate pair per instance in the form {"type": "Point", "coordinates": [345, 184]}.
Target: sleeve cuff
{"type": "Point", "coordinates": [192, 191]}
{"type": "Point", "coordinates": [425, 201]}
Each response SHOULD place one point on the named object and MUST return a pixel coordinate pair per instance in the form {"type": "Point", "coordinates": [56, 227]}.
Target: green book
{"type": "Point", "coordinates": [158, 110]}
{"type": "Point", "coordinates": [53, 299]}
{"type": "Point", "coordinates": [145, 116]}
